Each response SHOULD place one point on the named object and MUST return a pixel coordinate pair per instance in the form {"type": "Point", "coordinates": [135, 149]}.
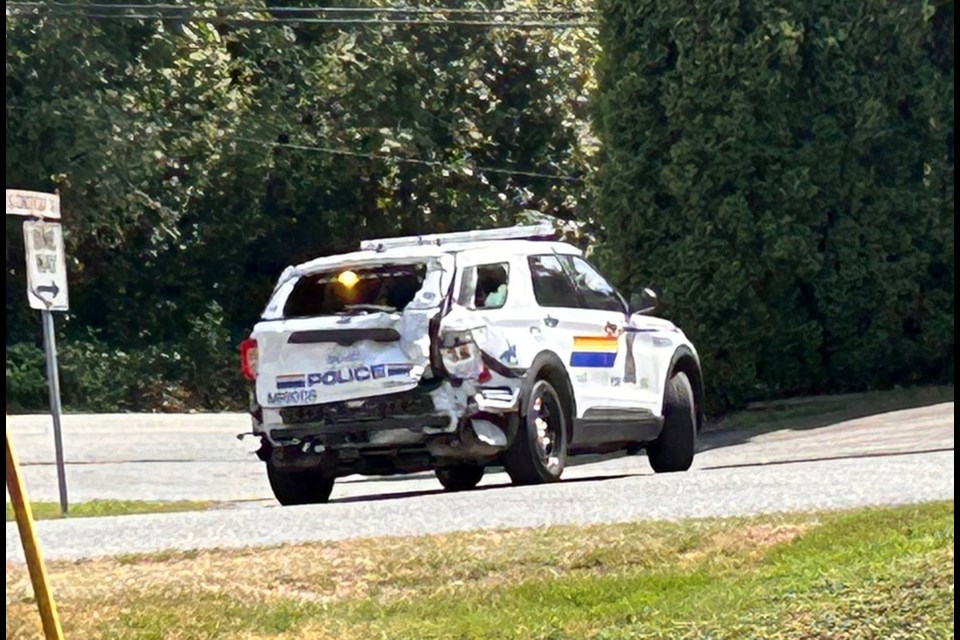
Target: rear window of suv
{"type": "Point", "coordinates": [390, 287]}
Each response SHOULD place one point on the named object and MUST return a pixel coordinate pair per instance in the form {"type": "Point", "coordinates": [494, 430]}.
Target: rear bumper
{"type": "Point", "coordinates": [429, 409]}
{"type": "Point", "coordinates": [355, 422]}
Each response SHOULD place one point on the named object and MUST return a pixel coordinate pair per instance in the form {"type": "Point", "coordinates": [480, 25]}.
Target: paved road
{"type": "Point", "coordinates": [903, 456]}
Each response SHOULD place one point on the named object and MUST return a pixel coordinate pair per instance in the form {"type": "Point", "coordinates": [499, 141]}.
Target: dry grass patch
{"type": "Point", "coordinates": [392, 569]}
{"type": "Point", "coordinates": [752, 576]}
{"type": "Point", "coordinates": [750, 541]}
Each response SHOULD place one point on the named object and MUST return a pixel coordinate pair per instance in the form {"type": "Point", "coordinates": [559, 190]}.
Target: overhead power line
{"type": "Point", "coordinates": [338, 22]}
{"type": "Point", "coordinates": [305, 9]}
{"type": "Point", "coordinates": [437, 164]}
{"type": "Point", "coordinates": [341, 16]}
{"type": "Point", "coordinates": [297, 9]}
{"type": "Point", "coordinates": [458, 168]}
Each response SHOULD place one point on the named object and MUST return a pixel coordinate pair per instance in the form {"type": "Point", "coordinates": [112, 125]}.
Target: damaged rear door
{"type": "Point", "coordinates": [345, 329]}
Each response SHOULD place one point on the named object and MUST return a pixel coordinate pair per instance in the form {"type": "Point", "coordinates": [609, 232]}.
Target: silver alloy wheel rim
{"type": "Point", "coordinates": [545, 418]}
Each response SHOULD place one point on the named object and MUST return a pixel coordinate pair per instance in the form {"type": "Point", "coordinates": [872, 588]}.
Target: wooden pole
{"type": "Point", "coordinates": [31, 549]}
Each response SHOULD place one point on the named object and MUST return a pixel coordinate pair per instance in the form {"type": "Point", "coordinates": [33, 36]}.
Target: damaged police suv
{"type": "Point", "coordinates": [458, 351]}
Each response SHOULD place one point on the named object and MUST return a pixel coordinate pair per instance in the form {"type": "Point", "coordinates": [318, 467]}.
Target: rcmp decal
{"type": "Point", "coordinates": [353, 355]}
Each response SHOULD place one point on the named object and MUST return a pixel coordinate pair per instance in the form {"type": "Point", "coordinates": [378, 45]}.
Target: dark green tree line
{"type": "Point", "coordinates": [196, 159]}
{"type": "Point", "coordinates": [785, 174]}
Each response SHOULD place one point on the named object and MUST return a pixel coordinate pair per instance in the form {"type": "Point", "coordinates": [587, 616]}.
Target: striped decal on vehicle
{"type": "Point", "coordinates": [594, 351]}
{"type": "Point", "coordinates": [291, 381]}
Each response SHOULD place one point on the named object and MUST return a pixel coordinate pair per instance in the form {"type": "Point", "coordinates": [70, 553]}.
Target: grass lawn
{"type": "Point", "coordinates": [93, 508]}
{"type": "Point", "coordinates": [870, 573]}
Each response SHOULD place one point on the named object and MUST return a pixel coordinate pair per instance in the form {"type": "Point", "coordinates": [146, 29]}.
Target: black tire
{"type": "Point", "coordinates": [299, 487]}
{"type": "Point", "coordinates": [674, 449]}
{"type": "Point", "coordinates": [461, 477]}
{"type": "Point", "coordinates": [539, 450]}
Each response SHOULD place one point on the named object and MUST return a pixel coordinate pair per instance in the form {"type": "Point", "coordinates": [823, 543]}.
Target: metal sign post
{"type": "Point", "coordinates": [46, 291]}
{"type": "Point", "coordinates": [53, 382]}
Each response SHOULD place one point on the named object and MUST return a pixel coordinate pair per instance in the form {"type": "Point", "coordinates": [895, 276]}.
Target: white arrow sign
{"type": "Point", "coordinates": [33, 204]}
{"type": "Point", "coordinates": [46, 266]}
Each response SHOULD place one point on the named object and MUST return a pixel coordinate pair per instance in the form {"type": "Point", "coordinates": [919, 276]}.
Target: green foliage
{"type": "Point", "coordinates": [107, 508]}
{"type": "Point", "coordinates": [198, 371]}
{"type": "Point", "coordinates": [785, 176]}
{"type": "Point", "coordinates": [26, 384]}
{"type": "Point", "coordinates": [196, 160]}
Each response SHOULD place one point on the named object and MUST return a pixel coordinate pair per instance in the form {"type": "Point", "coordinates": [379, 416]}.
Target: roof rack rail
{"type": "Point", "coordinates": [540, 231]}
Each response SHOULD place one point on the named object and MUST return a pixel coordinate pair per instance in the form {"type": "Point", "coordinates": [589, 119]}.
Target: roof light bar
{"type": "Point", "coordinates": [540, 231]}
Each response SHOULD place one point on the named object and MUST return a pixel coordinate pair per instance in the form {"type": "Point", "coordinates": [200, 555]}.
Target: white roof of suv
{"type": "Point", "coordinates": [497, 242]}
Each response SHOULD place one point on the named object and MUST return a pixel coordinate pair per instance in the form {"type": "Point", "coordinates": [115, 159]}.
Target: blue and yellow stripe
{"type": "Point", "coordinates": [594, 351]}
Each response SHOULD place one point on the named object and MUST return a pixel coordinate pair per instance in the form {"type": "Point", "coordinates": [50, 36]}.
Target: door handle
{"type": "Point", "coordinates": [550, 321]}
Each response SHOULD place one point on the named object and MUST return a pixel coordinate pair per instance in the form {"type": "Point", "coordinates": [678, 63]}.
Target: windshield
{"type": "Point", "coordinates": [386, 288]}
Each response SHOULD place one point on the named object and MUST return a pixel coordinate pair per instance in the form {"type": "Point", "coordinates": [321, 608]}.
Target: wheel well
{"type": "Point", "coordinates": [687, 364]}
{"type": "Point", "coordinates": [547, 366]}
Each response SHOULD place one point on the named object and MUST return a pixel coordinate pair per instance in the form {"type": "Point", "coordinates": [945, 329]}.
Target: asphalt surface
{"type": "Point", "coordinates": [896, 457]}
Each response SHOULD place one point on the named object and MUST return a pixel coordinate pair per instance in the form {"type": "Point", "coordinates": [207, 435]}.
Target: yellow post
{"type": "Point", "coordinates": [31, 549]}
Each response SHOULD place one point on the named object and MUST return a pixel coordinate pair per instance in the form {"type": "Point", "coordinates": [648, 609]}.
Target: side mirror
{"type": "Point", "coordinates": [643, 302]}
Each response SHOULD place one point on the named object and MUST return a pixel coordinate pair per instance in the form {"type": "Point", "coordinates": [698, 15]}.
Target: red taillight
{"type": "Point", "coordinates": [485, 375]}
{"type": "Point", "coordinates": [248, 359]}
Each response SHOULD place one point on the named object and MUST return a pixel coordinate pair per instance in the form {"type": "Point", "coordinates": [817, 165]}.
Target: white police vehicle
{"type": "Point", "coordinates": [458, 351]}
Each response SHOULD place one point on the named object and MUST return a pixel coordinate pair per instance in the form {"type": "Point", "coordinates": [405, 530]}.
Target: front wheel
{"type": "Point", "coordinates": [539, 450]}
{"type": "Point", "coordinates": [674, 449]}
{"type": "Point", "coordinates": [461, 477]}
{"type": "Point", "coordinates": [299, 487]}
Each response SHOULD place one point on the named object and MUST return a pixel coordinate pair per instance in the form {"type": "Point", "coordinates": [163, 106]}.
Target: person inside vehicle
{"type": "Point", "coordinates": [491, 287]}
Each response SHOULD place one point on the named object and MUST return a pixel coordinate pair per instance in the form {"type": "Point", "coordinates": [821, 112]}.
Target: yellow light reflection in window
{"type": "Point", "coordinates": [349, 279]}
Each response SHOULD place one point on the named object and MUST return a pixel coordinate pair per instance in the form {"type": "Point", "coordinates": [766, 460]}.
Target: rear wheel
{"type": "Point", "coordinates": [539, 450]}
{"type": "Point", "coordinates": [299, 487]}
{"type": "Point", "coordinates": [461, 477]}
{"type": "Point", "coordinates": [674, 449]}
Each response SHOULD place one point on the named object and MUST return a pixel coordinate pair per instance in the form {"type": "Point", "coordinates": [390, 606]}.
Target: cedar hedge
{"type": "Point", "coordinates": [783, 173]}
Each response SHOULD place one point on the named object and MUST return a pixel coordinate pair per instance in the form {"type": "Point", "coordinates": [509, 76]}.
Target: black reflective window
{"type": "Point", "coordinates": [552, 286]}
{"type": "Point", "coordinates": [595, 292]}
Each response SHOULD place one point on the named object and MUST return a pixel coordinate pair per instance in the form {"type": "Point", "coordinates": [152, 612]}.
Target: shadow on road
{"type": "Point", "coordinates": [799, 414]}
{"type": "Point", "coordinates": [489, 487]}
{"type": "Point", "coordinates": [850, 456]}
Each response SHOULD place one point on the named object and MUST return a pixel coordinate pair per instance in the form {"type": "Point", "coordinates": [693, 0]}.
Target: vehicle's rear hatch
{"type": "Point", "coordinates": [351, 328]}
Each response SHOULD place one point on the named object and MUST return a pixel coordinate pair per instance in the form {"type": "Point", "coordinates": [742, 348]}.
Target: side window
{"type": "Point", "coordinates": [594, 290]}
{"type": "Point", "coordinates": [551, 284]}
{"type": "Point", "coordinates": [484, 286]}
